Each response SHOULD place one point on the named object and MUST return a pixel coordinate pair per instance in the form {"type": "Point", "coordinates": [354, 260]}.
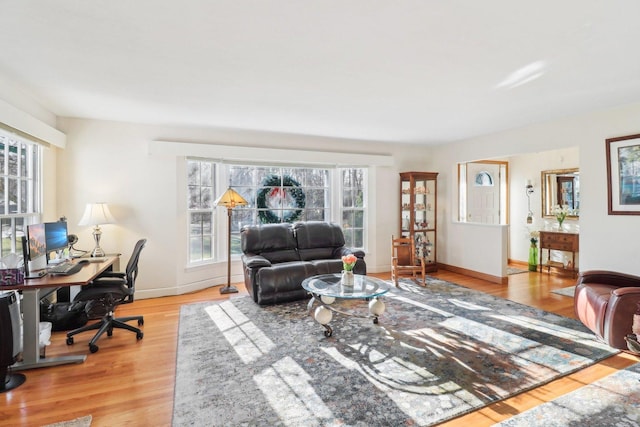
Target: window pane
{"type": "Point", "coordinates": [13, 159]}
{"type": "Point", "coordinates": [193, 173]}
{"type": "Point", "coordinates": [316, 198]}
{"type": "Point", "coordinates": [240, 176]}
{"type": "Point", "coordinates": [195, 225]}
{"type": "Point", "coordinates": [23, 161]}
{"type": "Point", "coordinates": [207, 247]}
{"type": "Point", "coordinates": [206, 195]}
{"type": "Point", "coordinates": [195, 249]}
{"type": "Point", "coordinates": [13, 195]}
{"type": "Point", "coordinates": [358, 239]}
{"type": "Point", "coordinates": [206, 174]}
{"type": "Point", "coordinates": [193, 197]}
{"type": "Point", "coordinates": [23, 205]}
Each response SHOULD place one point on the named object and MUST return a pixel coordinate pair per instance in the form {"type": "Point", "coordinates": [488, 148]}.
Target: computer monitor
{"type": "Point", "coordinates": [56, 236]}
{"type": "Point", "coordinates": [37, 247]}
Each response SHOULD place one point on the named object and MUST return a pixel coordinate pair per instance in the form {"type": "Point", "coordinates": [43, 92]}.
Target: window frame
{"type": "Point", "coordinates": [27, 177]}
{"type": "Point", "coordinates": [333, 212]}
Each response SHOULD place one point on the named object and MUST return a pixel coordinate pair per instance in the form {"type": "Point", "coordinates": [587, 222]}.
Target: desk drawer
{"type": "Point", "coordinates": [559, 241]}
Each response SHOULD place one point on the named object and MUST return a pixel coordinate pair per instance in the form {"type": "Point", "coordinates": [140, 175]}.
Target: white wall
{"type": "Point", "coordinates": [528, 167]}
{"type": "Point", "coordinates": [106, 161]}
{"type": "Point", "coordinates": [110, 162]}
{"type": "Point", "coordinates": [606, 241]}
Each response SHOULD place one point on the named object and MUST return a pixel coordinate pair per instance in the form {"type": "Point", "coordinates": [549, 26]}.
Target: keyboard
{"type": "Point", "coordinates": [65, 268]}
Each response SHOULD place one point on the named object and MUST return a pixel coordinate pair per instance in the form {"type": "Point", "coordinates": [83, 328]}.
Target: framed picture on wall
{"type": "Point", "coordinates": [623, 174]}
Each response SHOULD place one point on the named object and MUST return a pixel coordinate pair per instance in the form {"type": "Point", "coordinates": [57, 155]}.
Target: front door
{"type": "Point", "coordinates": [483, 193]}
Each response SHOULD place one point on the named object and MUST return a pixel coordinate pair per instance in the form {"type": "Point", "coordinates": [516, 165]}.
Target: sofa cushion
{"type": "Point", "coordinates": [275, 242]}
{"type": "Point", "coordinates": [327, 266]}
{"type": "Point", "coordinates": [281, 282]}
{"type": "Point", "coordinates": [317, 239]}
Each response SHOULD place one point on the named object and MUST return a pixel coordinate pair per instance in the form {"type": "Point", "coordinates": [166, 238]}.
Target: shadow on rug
{"type": "Point", "coordinates": [611, 401]}
{"type": "Point", "coordinates": [438, 352]}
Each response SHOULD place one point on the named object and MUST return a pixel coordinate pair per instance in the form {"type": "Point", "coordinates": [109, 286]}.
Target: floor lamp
{"type": "Point", "coordinates": [230, 199]}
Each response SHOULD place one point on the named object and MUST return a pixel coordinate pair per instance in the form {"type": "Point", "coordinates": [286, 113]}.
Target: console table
{"type": "Point", "coordinates": [559, 241]}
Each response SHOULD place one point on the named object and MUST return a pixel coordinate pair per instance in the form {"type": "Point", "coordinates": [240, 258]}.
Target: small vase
{"type": "Point", "coordinates": [347, 278]}
{"type": "Point", "coordinates": [533, 257]}
{"type": "Point", "coordinates": [560, 225]}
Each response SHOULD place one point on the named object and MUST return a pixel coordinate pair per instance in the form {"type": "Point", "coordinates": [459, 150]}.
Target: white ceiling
{"type": "Point", "coordinates": [418, 71]}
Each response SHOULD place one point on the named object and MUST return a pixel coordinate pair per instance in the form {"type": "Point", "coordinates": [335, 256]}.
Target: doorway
{"type": "Point", "coordinates": [483, 195]}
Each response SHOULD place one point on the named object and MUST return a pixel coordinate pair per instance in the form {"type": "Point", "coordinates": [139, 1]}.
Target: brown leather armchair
{"type": "Point", "coordinates": [605, 302]}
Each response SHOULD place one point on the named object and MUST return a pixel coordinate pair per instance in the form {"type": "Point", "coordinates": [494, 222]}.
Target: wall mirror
{"type": "Point", "coordinates": [561, 187]}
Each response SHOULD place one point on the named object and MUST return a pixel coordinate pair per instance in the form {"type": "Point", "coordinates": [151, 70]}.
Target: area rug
{"type": "Point", "coordinates": [611, 401]}
{"type": "Point", "coordinates": [567, 292]}
{"type": "Point", "coordinates": [513, 270]}
{"type": "Point", "coordinates": [77, 422]}
{"type": "Point", "coordinates": [438, 352]}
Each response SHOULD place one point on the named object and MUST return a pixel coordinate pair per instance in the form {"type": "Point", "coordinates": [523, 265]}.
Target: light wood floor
{"type": "Point", "coordinates": [131, 382]}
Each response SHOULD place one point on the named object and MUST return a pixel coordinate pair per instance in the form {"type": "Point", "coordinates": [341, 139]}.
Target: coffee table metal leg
{"type": "Point", "coordinates": [322, 315]}
{"type": "Point", "coordinates": [376, 308]}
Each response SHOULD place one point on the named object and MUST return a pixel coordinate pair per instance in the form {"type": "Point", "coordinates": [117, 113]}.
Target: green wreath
{"type": "Point", "coordinates": [273, 184]}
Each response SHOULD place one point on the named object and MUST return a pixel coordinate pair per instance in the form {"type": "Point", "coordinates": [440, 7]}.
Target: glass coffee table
{"type": "Point", "coordinates": [326, 288]}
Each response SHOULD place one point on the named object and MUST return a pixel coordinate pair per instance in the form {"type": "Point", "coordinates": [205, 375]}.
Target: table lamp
{"type": "Point", "coordinates": [230, 199]}
{"type": "Point", "coordinates": [96, 214]}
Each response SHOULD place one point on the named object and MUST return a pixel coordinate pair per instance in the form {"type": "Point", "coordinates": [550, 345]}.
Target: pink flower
{"type": "Point", "coordinates": [348, 261]}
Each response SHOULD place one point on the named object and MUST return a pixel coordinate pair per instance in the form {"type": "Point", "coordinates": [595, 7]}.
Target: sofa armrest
{"type": "Point", "coordinates": [255, 261]}
{"type": "Point", "coordinates": [343, 250]}
{"type": "Point", "coordinates": [633, 291]}
{"type": "Point", "coordinates": [613, 278]}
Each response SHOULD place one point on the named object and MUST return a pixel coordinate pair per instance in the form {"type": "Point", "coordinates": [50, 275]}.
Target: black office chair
{"type": "Point", "coordinates": [112, 289]}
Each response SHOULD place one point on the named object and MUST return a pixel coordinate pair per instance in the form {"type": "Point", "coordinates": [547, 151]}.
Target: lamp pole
{"type": "Point", "coordinates": [229, 289]}
{"type": "Point", "coordinates": [230, 199]}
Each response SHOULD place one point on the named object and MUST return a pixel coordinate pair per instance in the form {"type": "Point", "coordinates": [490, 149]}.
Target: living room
{"type": "Point", "coordinates": [138, 165]}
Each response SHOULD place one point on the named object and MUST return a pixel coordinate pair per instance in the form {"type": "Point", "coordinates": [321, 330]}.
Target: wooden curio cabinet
{"type": "Point", "coordinates": [418, 213]}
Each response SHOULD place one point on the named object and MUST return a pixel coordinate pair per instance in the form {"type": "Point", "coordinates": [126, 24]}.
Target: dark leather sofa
{"type": "Point", "coordinates": [278, 257]}
{"type": "Point", "coordinates": [605, 302]}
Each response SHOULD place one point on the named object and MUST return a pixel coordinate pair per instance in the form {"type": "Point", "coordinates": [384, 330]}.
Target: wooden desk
{"type": "Point", "coordinates": [559, 241]}
{"type": "Point", "coordinates": [31, 312]}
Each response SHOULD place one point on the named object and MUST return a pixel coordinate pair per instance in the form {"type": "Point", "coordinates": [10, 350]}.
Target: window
{"type": "Point", "coordinates": [201, 195]}
{"type": "Point", "coordinates": [353, 204]}
{"type": "Point", "coordinates": [278, 194]}
{"type": "Point", "coordinates": [274, 194]}
{"type": "Point", "coordinates": [19, 189]}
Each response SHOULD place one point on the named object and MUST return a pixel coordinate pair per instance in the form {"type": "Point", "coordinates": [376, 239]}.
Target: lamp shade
{"type": "Point", "coordinates": [96, 214]}
{"type": "Point", "coordinates": [230, 199]}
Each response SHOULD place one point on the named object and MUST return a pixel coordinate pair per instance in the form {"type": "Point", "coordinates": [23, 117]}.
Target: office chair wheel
{"type": "Point", "coordinates": [93, 348]}
{"type": "Point", "coordinates": [69, 340]}
{"type": "Point", "coordinates": [110, 333]}
{"type": "Point", "coordinates": [140, 322]}
{"type": "Point", "coordinates": [139, 335]}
